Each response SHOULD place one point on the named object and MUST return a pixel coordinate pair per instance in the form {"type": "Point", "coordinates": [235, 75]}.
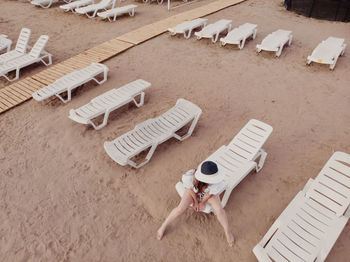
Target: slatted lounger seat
{"type": "Point", "coordinates": [76, 4]}
{"type": "Point", "coordinates": [214, 30]}
{"type": "Point", "coordinates": [71, 81]}
{"type": "Point", "coordinates": [46, 3]}
{"type": "Point", "coordinates": [187, 27]}
{"type": "Point", "coordinates": [239, 35]}
{"type": "Point", "coordinates": [150, 133]}
{"type": "Point", "coordinates": [328, 52]}
{"type": "Point", "coordinates": [238, 158]}
{"type": "Point", "coordinates": [20, 49]}
{"type": "Point", "coordinates": [311, 224]}
{"type": "Point", "coordinates": [104, 104]}
{"type": "Point", "coordinates": [127, 9]}
{"type": "Point", "coordinates": [37, 54]}
{"type": "Point", "coordinates": [5, 43]}
{"type": "Point", "coordinates": [91, 10]}
{"type": "Point", "coordinates": [275, 41]}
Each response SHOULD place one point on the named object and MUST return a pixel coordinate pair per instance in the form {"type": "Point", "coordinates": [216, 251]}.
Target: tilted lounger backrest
{"type": "Point", "coordinates": [23, 40]}
{"type": "Point", "coordinates": [331, 188]}
{"type": "Point", "coordinates": [247, 143]}
{"type": "Point", "coordinates": [39, 46]}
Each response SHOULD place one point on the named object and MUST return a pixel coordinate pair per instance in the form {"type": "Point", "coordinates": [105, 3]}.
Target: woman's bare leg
{"type": "Point", "coordinates": [186, 200]}
{"type": "Point", "coordinates": [215, 203]}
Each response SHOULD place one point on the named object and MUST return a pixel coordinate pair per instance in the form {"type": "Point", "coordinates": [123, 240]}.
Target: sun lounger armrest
{"type": "Point", "coordinates": [307, 186]}
{"type": "Point", "coordinates": [260, 254]}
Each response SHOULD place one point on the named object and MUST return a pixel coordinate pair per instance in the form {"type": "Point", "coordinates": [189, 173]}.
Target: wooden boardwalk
{"type": "Point", "coordinates": [21, 91]}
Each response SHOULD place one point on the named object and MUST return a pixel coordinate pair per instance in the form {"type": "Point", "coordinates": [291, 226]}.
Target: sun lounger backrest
{"type": "Point", "coordinates": [247, 143]}
{"type": "Point", "coordinates": [39, 46]}
{"type": "Point", "coordinates": [23, 40]}
{"type": "Point", "coordinates": [331, 188]}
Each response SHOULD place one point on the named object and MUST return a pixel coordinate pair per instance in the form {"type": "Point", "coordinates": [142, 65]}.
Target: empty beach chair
{"type": "Point", "coordinates": [214, 30]}
{"type": "Point", "coordinates": [238, 158]}
{"type": "Point", "coordinates": [71, 81]}
{"type": "Point", "coordinates": [239, 35]}
{"type": "Point", "coordinates": [46, 3]}
{"type": "Point", "coordinates": [37, 54]}
{"type": "Point", "coordinates": [106, 103]}
{"type": "Point", "coordinates": [150, 133]}
{"type": "Point", "coordinates": [187, 27]}
{"type": "Point", "coordinates": [5, 43]}
{"type": "Point", "coordinates": [311, 224]}
{"type": "Point", "coordinates": [76, 4]}
{"type": "Point", "coordinates": [328, 52]}
{"type": "Point", "coordinates": [112, 14]}
{"type": "Point", "coordinates": [275, 41]}
{"type": "Point", "coordinates": [94, 8]}
{"type": "Point", "coordinates": [20, 49]}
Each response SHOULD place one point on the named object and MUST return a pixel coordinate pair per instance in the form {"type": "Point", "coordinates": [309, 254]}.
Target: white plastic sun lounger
{"type": "Point", "coordinates": [71, 81]}
{"type": "Point", "coordinates": [239, 35]}
{"type": "Point", "coordinates": [46, 3]}
{"type": "Point", "coordinates": [187, 27]}
{"type": "Point", "coordinates": [275, 41]}
{"type": "Point", "coordinates": [76, 4]}
{"type": "Point", "coordinates": [106, 103]}
{"type": "Point", "coordinates": [311, 224]}
{"type": "Point", "coordinates": [5, 43]}
{"type": "Point", "coordinates": [238, 158]}
{"type": "Point", "coordinates": [150, 133]}
{"type": "Point", "coordinates": [94, 8]}
{"type": "Point", "coordinates": [20, 49]}
{"type": "Point", "coordinates": [328, 52]}
{"type": "Point", "coordinates": [214, 30]}
{"type": "Point", "coordinates": [37, 54]}
{"type": "Point", "coordinates": [127, 9]}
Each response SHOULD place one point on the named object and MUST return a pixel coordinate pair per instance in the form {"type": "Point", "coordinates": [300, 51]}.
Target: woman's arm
{"type": "Point", "coordinates": [195, 201]}
{"type": "Point", "coordinates": [204, 201]}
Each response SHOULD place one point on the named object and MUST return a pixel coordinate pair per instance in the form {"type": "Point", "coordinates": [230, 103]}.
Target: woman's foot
{"type": "Point", "coordinates": [160, 233]}
{"type": "Point", "coordinates": [230, 239]}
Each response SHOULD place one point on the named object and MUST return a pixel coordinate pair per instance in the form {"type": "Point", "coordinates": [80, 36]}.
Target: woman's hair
{"type": "Point", "coordinates": [200, 186]}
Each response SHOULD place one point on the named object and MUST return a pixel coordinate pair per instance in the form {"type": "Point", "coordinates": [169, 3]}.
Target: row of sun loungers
{"type": "Point", "coordinates": [91, 9]}
{"type": "Point", "coordinates": [18, 58]}
{"type": "Point", "coordinates": [326, 52]}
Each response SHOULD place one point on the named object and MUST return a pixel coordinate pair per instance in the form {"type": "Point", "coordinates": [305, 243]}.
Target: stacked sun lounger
{"type": "Point", "coordinates": [147, 135]}
{"type": "Point", "coordinates": [112, 14]}
{"type": "Point", "coordinates": [37, 54]}
{"type": "Point", "coordinates": [328, 52]}
{"type": "Point", "coordinates": [311, 224]}
{"type": "Point", "coordinates": [238, 158]}
{"type": "Point", "coordinates": [91, 10]}
{"type": "Point", "coordinates": [71, 81]}
{"type": "Point", "coordinates": [108, 102]}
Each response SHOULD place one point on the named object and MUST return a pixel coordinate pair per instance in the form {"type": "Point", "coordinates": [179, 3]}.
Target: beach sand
{"type": "Point", "coordinates": [63, 198]}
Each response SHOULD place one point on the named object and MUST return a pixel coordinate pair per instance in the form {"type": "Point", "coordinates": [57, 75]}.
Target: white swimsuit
{"type": "Point", "coordinates": [212, 189]}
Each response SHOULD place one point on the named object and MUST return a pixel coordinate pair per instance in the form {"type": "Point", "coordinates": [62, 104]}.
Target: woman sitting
{"type": "Point", "coordinates": [201, 186]}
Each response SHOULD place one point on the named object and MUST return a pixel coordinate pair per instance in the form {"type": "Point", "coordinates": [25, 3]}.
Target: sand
{"type": "Point", "coordinates": [64, 199]}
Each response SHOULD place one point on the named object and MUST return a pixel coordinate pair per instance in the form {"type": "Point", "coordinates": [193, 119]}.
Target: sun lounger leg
{"type": "Point", "coordinates": [215, 38]}
{"type": "Point", "coordinates": [254, 33]}
{"type": "Point", "coordinates": [48, 62]}
{"type": "Point", "coordinates": [331, 66]}
{"type": "Point", "coordinates": [9, 48]}
{"type": "Point", "coordinates": [47, 6]}
{"type": "Point", "coordinates": [290, 40]}
{"type": "Point", "coordinates": [13, 79]}
{"type": "Point", "coordinates": [160, 2]}
{"type": "Point", "coordinates": [69, 96]}
{"type": "Point", "coordinates": [279, 52]}
{"type": "Point", "coordinates": [188, 35]}
{"type": "Point", "coordinates": [132, 12]}
{"type": "Point", "coordinates": [226, 196]}
{"type": "Point", "coordinates": [142, 98]}
{"type": "Point", "coordinates": [343, 51]}
{"type": "Point", "coordinates": [263, 156]}
{"type": "Point", "coordinates": [148, 157]}
{"type": "Point", "coordinates": [104, 123]}
{"type": "Point", "coordinates": [190, 130]}
{"type": "Point", "coordinates": [241, 45]}
{"type": "Point", "coordinates": [93, 15]}
{"type": "Point", "coordinates": [103, 80]}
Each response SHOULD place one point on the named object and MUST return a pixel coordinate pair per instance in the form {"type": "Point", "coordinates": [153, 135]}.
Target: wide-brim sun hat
{"type": "Point", "coordinates": [208, 172]}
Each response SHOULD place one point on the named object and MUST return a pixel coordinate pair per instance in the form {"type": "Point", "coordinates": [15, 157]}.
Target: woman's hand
{"type": "Point", "coordinates": [195, 206]}
{"type": "Point", "coordinates": [201, 206]}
